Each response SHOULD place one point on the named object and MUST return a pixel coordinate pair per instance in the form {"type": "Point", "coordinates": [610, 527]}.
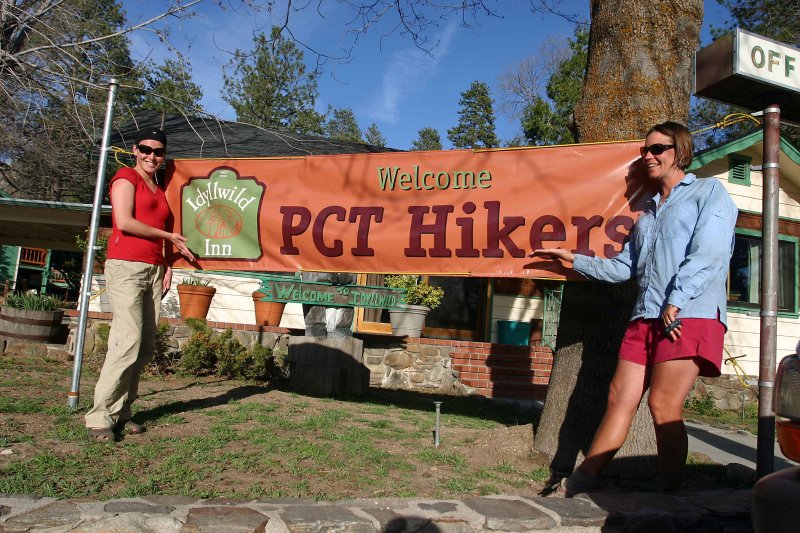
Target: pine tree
{"type": "Point", "coordinates": [594, 315]}
{"type": "Point", "coordinates": [343, 126]}
{"type": "Point", "coordinates": [270, 87]}
{"type": "Point", "coordinates": [475, 127]}
{"type": "Point", "coordinates": [171, 88]}
{"type": "Point", "coordinates": [429, 139]}
{"type": "Point", "coordinates": [776, 19]}
{"type": "Point", "coordinates": [374, 136]}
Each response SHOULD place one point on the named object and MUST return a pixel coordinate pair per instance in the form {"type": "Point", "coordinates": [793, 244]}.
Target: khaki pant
{"type": "Point", "coordinates": [135, 292]}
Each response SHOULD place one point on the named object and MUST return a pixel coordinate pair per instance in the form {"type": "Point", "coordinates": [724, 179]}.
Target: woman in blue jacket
{"type": "Point", "coordinates": [678, 251]}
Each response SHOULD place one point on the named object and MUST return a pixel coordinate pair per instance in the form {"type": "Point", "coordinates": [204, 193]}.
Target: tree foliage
{"type": "Point", "coordinates": [428, 139]}
{"type": "Point", "coordinates": [170, 88]}
{"type": "Point", "coordinates": [271, 87]}
{"type": "Point", "coordinates": [475, 128]}
{"type": "Point", "coordinates": [374, 136]}
{"type": "Point", "coordinates": [551, 121]}
{"type": "Point", "coordinates": [56, 60]}
{"type": "Point", "coordinates": [343, 126]}
{"type": "Point", "coordinates": [53, 57]}
{"type": "Point", "coordinates": [777, 19]}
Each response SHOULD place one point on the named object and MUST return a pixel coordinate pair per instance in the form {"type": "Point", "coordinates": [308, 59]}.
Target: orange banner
{"type": "Point", "coordinates": [447, 212]}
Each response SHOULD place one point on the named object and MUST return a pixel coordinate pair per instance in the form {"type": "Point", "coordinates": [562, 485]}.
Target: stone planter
{"type": "Point", "coordinates": [267, 313]}
{"type": "Point", "coordinates": [409, 320]}
{"type": "Point", "coordinates": [41, 326]}
{"type": "Point", "coordinates": [195, 300]}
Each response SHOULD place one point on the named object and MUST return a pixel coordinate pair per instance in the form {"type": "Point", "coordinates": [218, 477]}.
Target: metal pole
{"type": "Point", "coordinates": [86, 283]}
{"type": "Point", "coordinates": [765, 458]}
{"type": "Point", "coordinates": [436, 431]}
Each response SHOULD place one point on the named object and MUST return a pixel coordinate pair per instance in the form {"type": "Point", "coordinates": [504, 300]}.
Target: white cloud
{"type": "Point", "coordinates": [407, 72]}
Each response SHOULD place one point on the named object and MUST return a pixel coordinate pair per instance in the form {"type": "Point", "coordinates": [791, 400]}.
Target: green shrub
{"type": "Point", "coordinates": [101, 344]}
{"type": "Point", "coordinates": [199, 356]}
{"type": "Point", "coordinates": [211, 353]}
{"type": "Point", "coordinates": [703, 406]}
{"type": "Point", "coordinates": [32, 301]}
{"type": "Point", "coordinates": [165, 360]}
{"type": "Point", "coordinates": [281, 358]}
{"type": "Point", "coordinates": [255, 364]}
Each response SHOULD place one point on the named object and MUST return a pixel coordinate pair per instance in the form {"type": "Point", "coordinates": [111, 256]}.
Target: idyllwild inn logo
{"type": "Point", "coordinates": [219, 215]}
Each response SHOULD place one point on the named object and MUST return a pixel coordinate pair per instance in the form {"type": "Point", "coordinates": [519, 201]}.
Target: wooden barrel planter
{"type": "Point", "coordinates": [41, 326]}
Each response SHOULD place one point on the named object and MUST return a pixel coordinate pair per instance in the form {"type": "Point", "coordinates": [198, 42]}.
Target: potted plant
{"type": "Point", "coordinates": [194, 295]}
{"type": "Point", "coordinates": [419, 299]}
{"type": "Point", "coordinates": [31, 316]}
{"type": "Point", "coordinates": [267, 313]}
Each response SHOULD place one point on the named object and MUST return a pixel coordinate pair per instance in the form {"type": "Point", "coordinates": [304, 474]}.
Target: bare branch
{"type": "Point", "coordinates": [521, 84]}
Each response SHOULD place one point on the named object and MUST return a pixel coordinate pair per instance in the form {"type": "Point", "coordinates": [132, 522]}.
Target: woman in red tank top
{"type": "Point", "coordinates": [137, 277]}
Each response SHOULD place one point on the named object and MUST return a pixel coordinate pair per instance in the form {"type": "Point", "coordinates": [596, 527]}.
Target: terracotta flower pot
{"type": "Point", "coordinates": [267, 313]}
{"type": "Point", "coordinates": [195, 300]}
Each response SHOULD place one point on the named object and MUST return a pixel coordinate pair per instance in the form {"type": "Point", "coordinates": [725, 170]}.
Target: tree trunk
{"type": "Point", "coordinates": [639, 70]}
{"type": "Point", "coordinates": [639, 74]}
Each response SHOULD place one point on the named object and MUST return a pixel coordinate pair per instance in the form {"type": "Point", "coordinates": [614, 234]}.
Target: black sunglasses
{"type": "Point", "coordinates": [147, 150]}
{"type": "Point", "coordinates": [655, 149]}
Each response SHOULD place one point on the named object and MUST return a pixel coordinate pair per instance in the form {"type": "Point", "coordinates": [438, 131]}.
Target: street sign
{"type": "Point", "coordinates": [750, 71]}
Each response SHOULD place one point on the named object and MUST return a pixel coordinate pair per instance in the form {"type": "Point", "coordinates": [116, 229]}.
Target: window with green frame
{"type": "Point", "coordinates": [744, 277]}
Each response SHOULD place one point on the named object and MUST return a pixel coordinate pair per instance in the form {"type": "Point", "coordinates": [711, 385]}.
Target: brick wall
{"type": "Point", "coordinates": [504, 371]}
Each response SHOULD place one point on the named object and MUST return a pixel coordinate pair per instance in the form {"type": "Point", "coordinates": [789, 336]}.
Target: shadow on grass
{"type": "Point", "coordinates": [508, 414]}
{"type": "Point", "coordinates": [174, 408]}
{"type": "Point", "coordinates": [184, 387]}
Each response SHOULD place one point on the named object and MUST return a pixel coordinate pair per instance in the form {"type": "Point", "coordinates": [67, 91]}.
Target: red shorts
{"type": "Point", "coordinates": [701, 339]}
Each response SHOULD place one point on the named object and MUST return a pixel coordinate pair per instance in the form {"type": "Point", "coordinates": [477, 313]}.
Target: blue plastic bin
{"type": "Point", "coordinates": [513, 332]}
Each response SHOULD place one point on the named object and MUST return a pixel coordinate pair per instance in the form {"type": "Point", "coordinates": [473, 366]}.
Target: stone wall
{"type": "Point", "coordinates": [728, 392]}
{"type": "Point", "coordinates": [414, 364]}
{"type": "Point", "coordinates": [433, 365]}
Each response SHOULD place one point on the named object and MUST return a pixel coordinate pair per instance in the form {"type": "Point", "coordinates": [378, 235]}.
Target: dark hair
{"type": "Point", "coordinates": [152, 134]}
{"type": "Point", "coordinates": [682, 137]}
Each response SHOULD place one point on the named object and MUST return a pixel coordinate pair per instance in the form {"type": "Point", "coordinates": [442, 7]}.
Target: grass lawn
{"type": "Point", "coordinates": [214, 437]}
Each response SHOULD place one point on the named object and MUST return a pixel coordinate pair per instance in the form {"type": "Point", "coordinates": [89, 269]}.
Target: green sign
{"type": "Point", "coordinates": [223, 209]}
{"type": "Point", "coordinates": [293, 289]}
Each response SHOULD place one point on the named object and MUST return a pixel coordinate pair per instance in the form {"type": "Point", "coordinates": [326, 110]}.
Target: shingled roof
{"type": "Point", "coordinates": [203, 137]}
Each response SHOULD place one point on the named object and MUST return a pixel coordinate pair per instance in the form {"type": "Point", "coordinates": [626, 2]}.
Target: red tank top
{"type": "Point", "coordinates": [148, 207]}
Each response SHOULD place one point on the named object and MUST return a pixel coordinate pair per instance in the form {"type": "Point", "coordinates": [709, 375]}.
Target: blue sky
{"type": "Point", "coordinates": [387, 80]}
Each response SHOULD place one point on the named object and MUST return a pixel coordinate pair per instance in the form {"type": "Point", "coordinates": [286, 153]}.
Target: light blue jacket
{"type": "Point", "coordinates": [678, 253]}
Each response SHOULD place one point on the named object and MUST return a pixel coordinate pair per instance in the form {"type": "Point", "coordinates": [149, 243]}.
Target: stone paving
{"type": "Point", "coordinates": [713, 511]}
